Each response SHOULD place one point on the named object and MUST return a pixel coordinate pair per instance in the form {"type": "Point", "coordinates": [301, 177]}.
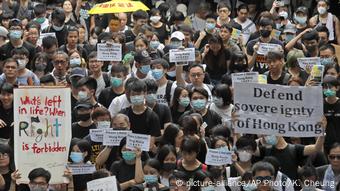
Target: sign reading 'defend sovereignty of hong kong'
{"type": "Point", "coordinates": [42, 130]}
{"type": "Point", "coordinates": [281, 110]}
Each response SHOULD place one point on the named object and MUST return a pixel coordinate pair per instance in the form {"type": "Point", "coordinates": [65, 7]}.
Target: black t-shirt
{"type": "Point", "coordinates": [290, 158]}
{"type": "Point", "coordinates": [80, 49]}
{"type": "Point", "coordinates": [6, 51]}
{"type": "Point", "coordinates": [129, 36]}
{"type": "Point", "coordinates": [8, 180]}
{"type": "Point", "coordinates": [163, 113]}
{"type": "Point", "coordinates": [106, 96]}
{"type": "Point", "coordinates": [61, 35]}
{"type": "Point", "coordinates": [213, 67]}
{"type": "Point", "coordinates": [332, 113]}
{"type": "Point", "coordinates": [73, 104]}
{"type": "Point", "coordinates": [283, 79]}
{"type": "Point", "coordinates": [95, 147]}
{"type": "Point", "coordinates": [145, 123]}
{"type": "Point", "coordinates": [80, 132]}
{"type": "Point", "coordinates": [204, 41]}
{"type": "Point", "coordinates": [122, 171]}
{"type": "Point", "coordinates": [260, 67]}
{"type": "Point", "coordinates": [8, 117]}
{"type": "Point", "coordinates": [162, 33]}
{"type": "Point", "coordinates": [80, 181]}
{"type": "Point", "coordinates": [191, 173]}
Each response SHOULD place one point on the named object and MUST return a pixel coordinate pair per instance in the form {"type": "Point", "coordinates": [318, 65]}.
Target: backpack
{"type": "Point", "coordinates": [168, 91]}
{"type": "Point", "coordinates": [107, 79]}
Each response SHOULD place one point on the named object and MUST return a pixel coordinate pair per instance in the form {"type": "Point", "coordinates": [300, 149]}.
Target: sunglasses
{"type": "Point", "coordinates": [333, 157]}
{"type": "Point", "coordinates": [263, 178]}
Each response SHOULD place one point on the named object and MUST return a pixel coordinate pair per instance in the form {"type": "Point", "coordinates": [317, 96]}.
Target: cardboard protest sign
{"type": "Point", "coordinates": [78, 169]}
{"type": "Point", "coordinates": [42, 130]}
{"type": "Point", "coordinates": [182, 55]}
{"type": "Point", "coordinates": [109, 52]}
{"type": "Point", "coordinates": [96, 135]}
{"type": "Point", "coordinates": [134, 140]}
{"type": "Point", "coordinates": [245, 77]}
{"type": "Point", "coordinates": [291, 111]}
{"type": "Point", "coordinates": [308, 63]}
{"type": "Point", "coordinates": [103, 184]}
{"type": "Point", "coordinates": [113, 137]}
{"type": "Point", "coordinates": [218, 157]}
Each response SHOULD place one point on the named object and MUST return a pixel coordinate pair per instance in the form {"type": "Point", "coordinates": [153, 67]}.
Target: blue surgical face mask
{"type": "Point", "coordinates": [225, 148]}
{"type": "Point", "coordinates": [218, 101]}
{"type": "Point", "coordinates": [128, 155]}
{"type": "Point", "coordinates": [175, 44]}
{"type": "Point", "coordinates": [300, 20]}
{"type": "Point", "coordinates": [208, 188]}
{"type": "Point", "coordinates": [329, 93]}
{"type": "Point", "coordinates": [15, 34]}
{"type": "Point", "coordinates": [198, 104]}
{"type": "Point", "coordinates": [326, 61]}
{"type": "Point", "coordinates": [76, 157]}
{"type": "Point", "coordinates": [250, 187]}
{"type": "Point", "coordinates": [278, 26]}
{"type": "Point", "coordinates": [210, 26]}
{"type": "Point", "coordinates": [145, 69]}
{"type": "Point", "coordinates": [75, 62]}
{"type": "Point", "coordinates": [271, 140]}
{"type": "Point", "coordinates": [151, 98]}
{"type": "Point", "coordinates": [171, 74]}
{"type": "Point", "coordinates": [157, 73]}
{"type": "Point", "coordinates": [154, 44]}
{"type": "Point", "coordinates": [82, 95]}
{"type": "Point", "coordinates": [289, 37]}
{"type": "Point", "coordinates": [116, 82]}
{"type": "Point", "coordinates": [150, 179]}
{"type": "Point", "coordinates": [137, 100]}
{"type": "Point", "coordinates": [184, 101]}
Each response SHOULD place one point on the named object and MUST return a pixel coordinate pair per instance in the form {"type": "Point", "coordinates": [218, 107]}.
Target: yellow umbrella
{"type": "Point", "coordinates": [118, 6]}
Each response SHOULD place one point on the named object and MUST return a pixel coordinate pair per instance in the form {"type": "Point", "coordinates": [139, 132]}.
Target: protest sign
{"type": "Point", "coordinates": [109, 52]}
{"type": "Point", "coordinates": [43, 35]}
{"type": "Point", "coordinates": [316, 74]}
{"type": "Point", "coordinates": [103, 184]}
{"type": "Point", "coordinates": [262, 79]}
{"type": "Point", "coordinates": [264, 48]}
{"type": "Point", "coordinates": [235, 34]}
{"type": "Point", "coordinates": [245, 77]}
{"type": "Point", "coordinates": [96, 135]}
{"type": "Point", "coordinates": [134, 140]}
{"type": "Point", "coordinates": [78, 169]}
{"type": "Point", "coordinates": [308, 63]}
{"type": "Point", "coordinates": [42, 130]}
{"type": "Point", "coordinates": [182, 55]}
{"type": "Point", "coordinates": [291, 111]}
{"type": "Point", "coordinates": [218, 157]}
{"type": "Point", "coordinates": [113, 137]}
{"type": "Point", "coordinates": [275, 34]}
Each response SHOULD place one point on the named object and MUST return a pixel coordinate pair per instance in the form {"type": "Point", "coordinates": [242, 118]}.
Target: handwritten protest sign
{"type": "Point", "coordinates": [113, 137]}
{"type": "Point", "coordinates": [134, 140]}
{"type": "Point", "coordinates": [42, 133]}
{"type": "Point", "coordinates": [265, 47]}
{"type": "Point", "coordinates": [78, 169]}
{"type": "Point", "coordinates": [218, 157]}
{"type": "Point", "coordinates": [109, 52]}
{"type": "Point", "coordinates": [103, 184]}
{"type": "Point", "coordinates": [245, 77]}
{"type": "Point", "coordinates": [96, 135]}
{"type": "Point", "coordinates": [308, 63]}
{"type": "Point", "coordinates": [290, 111]}
{"type": "Point", "coordinates": [43, 35]}
{"type": "Point", "coordinates": [179, 55]}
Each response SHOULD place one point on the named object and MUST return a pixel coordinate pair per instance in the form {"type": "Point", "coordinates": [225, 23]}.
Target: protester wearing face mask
{"type": "Point", "coordinates": [201, 38]}
{"type": "Point", "coordinates": [39, 64]}
{"type": "Point", "coordinates": [143, 66]}
{"type": "Point", "coordinates": [176, 41]}
{"type": "Point", "coordinates": [180, 103]}
{"type": "Point", "coordinates": [167, 158]}
{"type": "Point", "coordinates": [288, 33]}
{"type": "Point", "coordinates": [58, 25]}
{"type": "Point", "coordinates": [327, 19]}
{"type": "Point", "coordinates": [39, 179]}
{"type": "Point", "coordinates": [331, 108]}
{"type": "Point", "coordinates": [76, 60]}
{"type": "Point", "coordinates": [327, 55]}
{"type": "Point", "coordinates": [80, 153]}
{"type": "Point", "coordinates": [25, 76]}
{"type": "Point", "coordinates": [84, 123]}
{"type": "Point", "coordinates": [308, 178]}
{"type": "Point", "coordinates": [15, 36]}
{"type": "Point", "coordinates": [238, 63]}
{"type": "Point", "coordinates": [301, 19]}
{"type": "Point", "coordinates": [222, 102]}
{"type": "Point", "coordinates": [128, 170]}
{"type": "Point", "coordinates": [160, 28]}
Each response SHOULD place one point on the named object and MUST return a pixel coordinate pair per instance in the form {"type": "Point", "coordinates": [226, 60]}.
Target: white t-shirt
{"type": "Point", "coordinates": [118, 103]}
{"type": "Point", "coordinates": [161, 93]}
{"type": "Point", "coordinates": [100, 85]}
{"type": "Point", "coordinates": [224, 113]}
{"type": "Point", "coordinates": [248, 27]}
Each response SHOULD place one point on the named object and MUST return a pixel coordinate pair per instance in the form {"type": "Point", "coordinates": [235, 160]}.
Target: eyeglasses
{"type": "Point", "coordinates": [4, 155]}
{"type": "Point", "coordinates": [223, 10]}
{"type": "Point", "coordinates": [333, 157]}
{"type": "Point", "coordinates": [263, 178]}
{"type": "Point", "coordinates": [59, 62]}
{"type": "Point", "coordinates": [196, 75]}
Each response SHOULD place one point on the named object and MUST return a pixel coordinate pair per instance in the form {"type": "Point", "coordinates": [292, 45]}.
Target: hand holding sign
{"type": "Point", "coordinates": [138, 140]}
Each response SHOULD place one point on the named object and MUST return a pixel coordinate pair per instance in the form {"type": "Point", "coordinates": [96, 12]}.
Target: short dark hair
{"type": "Point", "coordinates": [101, 173]}
{"type": "Point", "coordinates": [140, 14]}
{"type": "Point", "coordinates": [105, 36]}
{"type": "Point", "coordinates": [7, 87]}
{"type": "Point", "coordinates": [49, 41]}
{"type": "Point", "coordinates": [263, 166]}
{"type": "Point", "coordinates": [211, 16]}
{"type": "Point", "coordinates": [196, 65]}
{"type": "Point", "coordinates": [190, 144]}
{"type": "Point", "coordinates": [21, 51]}
{"type": "Point", "coordinates": [163, 62]}
{"type": "Point", "coordinates": [8, 60]}
{"type": "Point", "coordinates": [164, 151]}
{"type": "Point", "coordinates": [199, 90]}
{"type": "Point", "coordinates": [243, 6]}
{"type": "Point", "coordinates": [266, 22]}
{"type": "Point", "coordinates": [223, 91]}
{"type": "Point", "coordinates": [138, 86]}
{"type": "Point", "coordinates": [327, 47]}
{"type": "Point", "coordinates": [311, 35]}
{"type": "Point", "coordinates": [151, 85]}
{"type": "Point", "coordinates": [119, 68]}
{"type": "Point", "coordinates": [59, 15]}
{"type": "Point", "coordinates": [221, 130]}
{"type": "Point", "coordinates": [322, 28]}
{"type": "Point", "coordinates": [83, 145]}
{"type": "Point", "coordinates": [89, 82]}
{"type": "Point", "coordinates": [39, 172]}
{"type": "Point", "coordinates": [177, 16]}
{"type": "Point", "coordinates": [223, 4]}
{"type": "Point", "coordinates": [48, 78]}
{"type": "Point", "coordinates": [307, 171]}
{"type": "Point", "coordinates": [245, 141]}
{"type": "Point", "coordinates": [39, 9]}
{"type": "Point", "coordinates": [274, 55]}
{"type": "Point", "coordinates": [93, 54]}
{"type": "Point", "coordinates": [273, 161]}
{"type": "Point", "coordinates": [100, 111]}
{"type": "Point", "coordinates": [189, 125]}
{"type": "Point", "coordinates": [228, 27]}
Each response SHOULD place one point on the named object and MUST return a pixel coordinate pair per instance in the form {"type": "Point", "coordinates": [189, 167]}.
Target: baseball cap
{"type": "Point", "coordinates": [142, 57]}
{"type": "Point", "coordinates": [302, 10]}
{"type": "Point", "coordinates": [83, 104]}
{"type": "Point", "coordinates": [290, 29]}
{"type": "Point", "coordinates": [3, 31]}
{"type": "Point", "coordinates": [78, 72]}
{"type": "Point", "coordinates": [178, 35]}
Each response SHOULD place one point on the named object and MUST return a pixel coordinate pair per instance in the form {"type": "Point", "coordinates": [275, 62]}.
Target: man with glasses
{"type": "Point", "coordinates": [263, 175]}
{"type": "Point", "coordinates": [39, 179]}
{"type": "Point", "coordinates": [60, 63]}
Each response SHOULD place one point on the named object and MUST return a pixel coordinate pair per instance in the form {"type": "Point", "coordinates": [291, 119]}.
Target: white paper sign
{"type": "Point", "coordinates": [291, 111]}
{"type": "Point", "coordinates": [78, 169]}
{"type": "Point", "coordinates": [103, 184]}
{"type": "Point", "coordinates": [113, 137]}
{"type": "Point", "coordinates": [43, 35]}
{"type": "Point", "coordinates": [96, 135]}
{"type": "Point", "coordinates": [218, 157]}
{"type": "Point", "coordinates": [109, 52]}
{"type": "Point", "coordinates": [308, 63]}
{"type": "Point", "coordinates": [245, 77]}
{"type": "Point", "coordinates": [138, 140]}
{"type": "Point", "coordinates": [179, 55]}
{"type": "Point", "coordinates": [265, 47]}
